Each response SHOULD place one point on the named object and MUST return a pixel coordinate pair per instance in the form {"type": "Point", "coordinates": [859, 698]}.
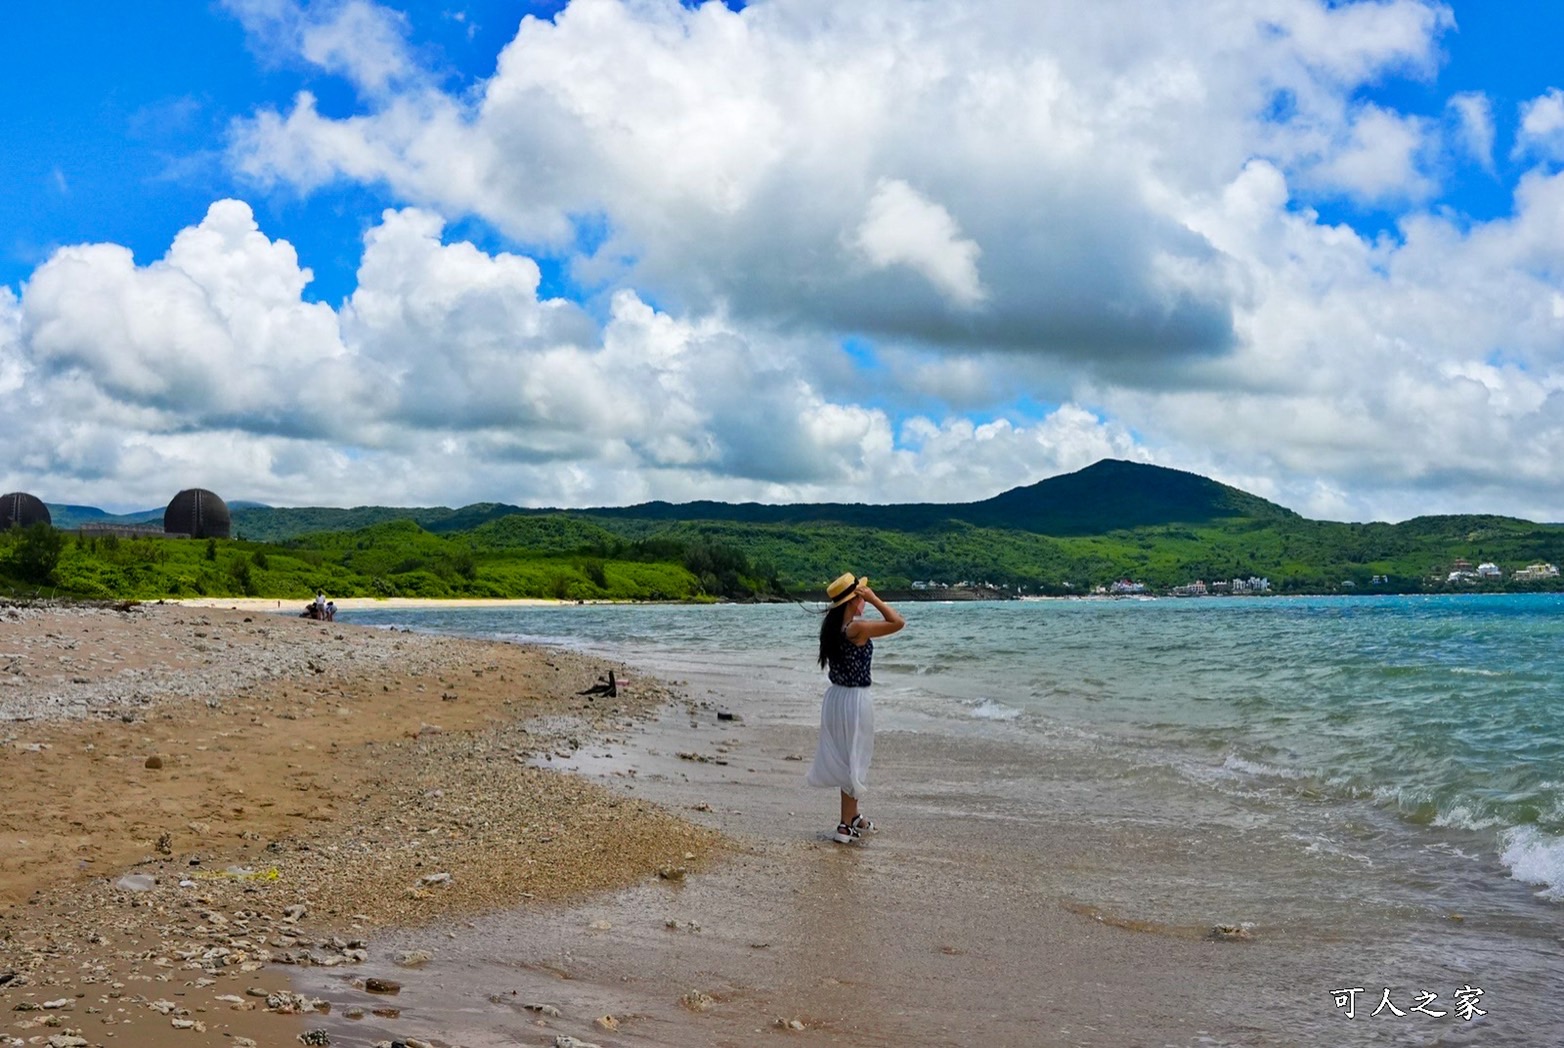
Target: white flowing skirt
{"type": "Point", "coordinates": [846, 741]}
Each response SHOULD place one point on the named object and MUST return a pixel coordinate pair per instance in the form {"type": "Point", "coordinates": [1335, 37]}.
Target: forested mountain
{"type": "Point", "coordinates": [1109, 495]}
{"type": "Point", "coordinates": [1068, 534]}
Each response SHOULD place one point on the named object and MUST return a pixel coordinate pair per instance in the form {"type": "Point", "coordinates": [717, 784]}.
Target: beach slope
{"type": "Point", "coordinates": [197, 797]}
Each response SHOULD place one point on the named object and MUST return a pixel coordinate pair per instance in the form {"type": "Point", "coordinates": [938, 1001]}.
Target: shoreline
{"type": "Point", "coordinates": [292, 607]}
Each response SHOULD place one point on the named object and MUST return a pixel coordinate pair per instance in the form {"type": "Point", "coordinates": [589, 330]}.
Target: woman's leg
{"type": "Point", "coordinates": [849, 808]}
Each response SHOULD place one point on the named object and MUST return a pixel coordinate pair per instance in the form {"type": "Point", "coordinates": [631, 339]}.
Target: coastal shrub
{"type": "Point", "coordinates": [240, 571]}
{"type": "Point", "coordinates": [554, 533]}
{"type": "Point", "coordinates": [486, 589]}
{"type": "Point", "coordinates": [641, 581]}
{"type": "Point", "coordinates": [148, 551]}
{"type": "Point", "coordinates": [464, 564]}
{"type": "Point", "coordinates": [719, 566]}
{"type": "Point", "coordinates": [422, 584]}
{"type": "Point", "coordinates": [38, 552]}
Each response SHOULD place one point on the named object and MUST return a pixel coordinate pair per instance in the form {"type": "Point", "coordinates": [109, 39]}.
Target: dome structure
{"type": "Point", "coordinates": [21, 510]}
{"type": "Point", "coordinates": [198, 513]}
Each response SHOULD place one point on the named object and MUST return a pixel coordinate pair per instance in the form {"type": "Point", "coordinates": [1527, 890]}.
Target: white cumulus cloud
{"type": "Point", "coordinates": [444, 376]}
{"type": "Point", "coordinates": [1474, 126]}
{"type": "Point", "coordinates": [902, 227]}
{"type": "Point", "coordinates": [1541, 131]}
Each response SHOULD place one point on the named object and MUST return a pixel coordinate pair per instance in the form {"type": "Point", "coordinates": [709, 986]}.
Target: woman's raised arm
{"type": "Point", "coordinates": [891, 618]}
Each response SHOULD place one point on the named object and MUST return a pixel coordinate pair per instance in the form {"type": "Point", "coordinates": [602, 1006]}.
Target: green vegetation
{"type": "Point", "coordinates": [36, 552]}
{"type": "Point", "coordinates": [394, 559]}
{"type": "Point", "coordinates": [1066, 535]}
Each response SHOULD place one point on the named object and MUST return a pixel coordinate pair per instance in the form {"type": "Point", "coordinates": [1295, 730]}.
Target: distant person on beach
{"type": "Point", "coordinates": [331, 611]}
{"type": "Point", "coordinates": [846, 713]}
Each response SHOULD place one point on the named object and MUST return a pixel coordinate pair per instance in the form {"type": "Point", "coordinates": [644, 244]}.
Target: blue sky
{"type": "Point", "coordinates": [117, 117]}
{"type": "Point", "coordinates": [782, 252]}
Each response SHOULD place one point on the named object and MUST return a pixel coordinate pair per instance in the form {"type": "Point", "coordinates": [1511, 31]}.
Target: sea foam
{"type": "Point", "coordinates": [1466, 817]}
{"type": "Point", "coordinates": [988, 709]}
{"type": "Point", "coordinates": [1243, 766]}
{"type": "Point", "coordinates": [1534, 857]}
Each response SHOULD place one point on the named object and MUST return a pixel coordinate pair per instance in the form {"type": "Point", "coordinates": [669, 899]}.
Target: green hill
{"type": "Point", "coordinates": [71, 517]}
{"type": "Point", "coordinates": [1109, 495]}
{"type": "Point", "coordinates": [1112, 495]}
{"type": "Point", "coordinates": [1066, 534]}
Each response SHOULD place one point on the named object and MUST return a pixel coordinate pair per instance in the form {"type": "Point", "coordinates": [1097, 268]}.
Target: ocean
{"type": "Point", "coordinates": [1326, 771]}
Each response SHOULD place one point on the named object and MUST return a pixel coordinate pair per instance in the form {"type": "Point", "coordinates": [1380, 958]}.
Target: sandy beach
{"type": "Point", "coordinates": [199, 800]}
{"type": "Point", "coordinates": [283, 607]}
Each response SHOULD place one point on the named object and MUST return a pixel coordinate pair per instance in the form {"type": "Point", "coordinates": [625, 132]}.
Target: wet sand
{"type": "Point", "coordinates": [930, 934]}
{"type": "Point", "coordinates": [967, 920]}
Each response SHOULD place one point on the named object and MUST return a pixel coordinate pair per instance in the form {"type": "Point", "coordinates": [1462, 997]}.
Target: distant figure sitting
{"type": "Point", "coordinates": [610, 687]}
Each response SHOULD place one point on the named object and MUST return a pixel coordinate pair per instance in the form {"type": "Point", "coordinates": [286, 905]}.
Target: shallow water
{"type": "Point", "coordinates": [1375, 782]}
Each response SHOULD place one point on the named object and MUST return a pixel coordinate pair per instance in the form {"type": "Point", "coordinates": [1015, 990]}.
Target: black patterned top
{"type": "Point", "coordinates": [849, 663]}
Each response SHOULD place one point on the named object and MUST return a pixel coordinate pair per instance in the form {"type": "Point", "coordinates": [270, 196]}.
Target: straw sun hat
{"type": "Point", "coordinates": [844, 589]}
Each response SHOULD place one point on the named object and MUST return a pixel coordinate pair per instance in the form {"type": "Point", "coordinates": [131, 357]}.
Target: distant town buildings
{"type": "Point", "coordinates": [1251, 586]}
{"type": "Point", "coordinates": [1462, 573]}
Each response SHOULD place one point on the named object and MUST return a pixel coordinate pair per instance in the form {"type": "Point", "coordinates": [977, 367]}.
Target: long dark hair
{"type": "Point", "coordinates": [831, 635]}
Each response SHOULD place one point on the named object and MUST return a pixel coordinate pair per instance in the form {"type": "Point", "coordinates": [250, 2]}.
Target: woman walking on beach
{"type": "Point", "coordinates": [846, 713]}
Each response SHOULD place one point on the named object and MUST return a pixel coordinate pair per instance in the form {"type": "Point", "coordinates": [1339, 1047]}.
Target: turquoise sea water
{"type": "Point", "coordinates": [1438, 720]}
